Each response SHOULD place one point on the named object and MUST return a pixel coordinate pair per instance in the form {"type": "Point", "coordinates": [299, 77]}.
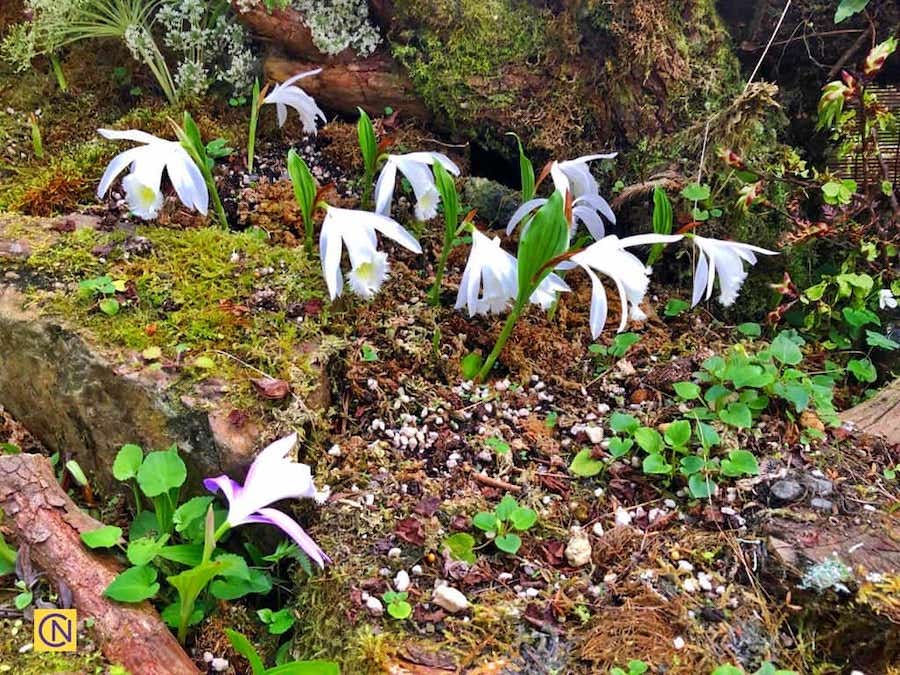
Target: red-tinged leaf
{"type": "Point", "coordinates": [271, 388]}
{"type": "Point", "coordinates": [411, 531]}
{"type": "Point", "coordinates": [427, 506]}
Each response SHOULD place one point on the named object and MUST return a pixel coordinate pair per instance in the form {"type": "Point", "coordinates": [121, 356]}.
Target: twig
{"type": "Point", "coordinates": [836, 68]}
{"type": "Point", "coordinates": [484, 479]}
{"type": "Point", "coordinates": [784, 12]}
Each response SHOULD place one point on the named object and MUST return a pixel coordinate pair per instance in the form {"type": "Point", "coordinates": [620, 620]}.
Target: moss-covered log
{"type": "Point", "coordinates": [567, 75]}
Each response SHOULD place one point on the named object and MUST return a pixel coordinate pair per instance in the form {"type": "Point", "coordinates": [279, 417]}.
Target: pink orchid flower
{"type": "Point", "coordinates": [271, 477]}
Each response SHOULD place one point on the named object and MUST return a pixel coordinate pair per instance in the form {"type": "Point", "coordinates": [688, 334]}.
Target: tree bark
{"type": "Point", "coordinates": [880, 415]}
{"type": "Point", "coordinates": [41, 516]}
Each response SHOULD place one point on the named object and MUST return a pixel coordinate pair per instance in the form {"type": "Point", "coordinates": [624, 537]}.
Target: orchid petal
{"type": "Point", "coordinates": [523, 211]}
{"type": "Point", "coordinates": [291, 528]}
{"type": "Point", "coordinates": [384, 188]}
{"type": "Point", "coordinates": [701, 277]}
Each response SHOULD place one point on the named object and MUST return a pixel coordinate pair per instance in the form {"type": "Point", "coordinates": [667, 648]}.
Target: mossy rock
{"type": "Point", "coordinates": [203, 313]}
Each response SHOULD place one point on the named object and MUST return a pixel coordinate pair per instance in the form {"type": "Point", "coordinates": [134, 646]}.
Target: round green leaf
{"type": "Point", "coordinates": [584, 465]}
{"type": "Point", "coordinates": [109, 306]}
{"type": "Point", "coordinates": [687, 390]}
{"type": "Point", "coordinates": [142, 551]}
{"type": "Point", "coordinates": [133, 585]}
{"type": "Point", "coordinates": [649, 439]}
{"type": "Point", "coordinates": [622, 423]}
{"type": "Point", "coordinates": [102, 537]}
{"type": "Point", "coordinates": [506, 506]}
{"type": "Point", "coordinates": [737, 415]}
{"type": "Point", "coordinates": [701, 486]}
{"type": "Point", "coordinates": [523, 518]}
{"type": "Point", "coordinates": [785, 350]}
{"type": "Point", "coordinates": [691, 464]}
{"type": "Point", "coordinates": [656, 464]}
{"type": "Point", "coordinates": [160, 472]}
{"type": "Point", "coordinates": [740, 463]}
{"type": "Point", "coordinates": [485, 521]}
{"type": "Point", "coordinates": [127, 462]}
{"type": "Point", "coordinates": [508, 543]}
{"type": "Point", "coordinates": [678, 433]}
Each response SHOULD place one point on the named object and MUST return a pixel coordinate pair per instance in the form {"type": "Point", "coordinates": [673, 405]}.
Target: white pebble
{"type": "Point", "coordinates": [450, 599]}
{"type": "Point", "coordinates": [678, 643]}
{"type": "Point", "coordinates": [401, 581]}
{"type": "Point", "coordinates": [374, 606]}
{"type": "Point", "coordinates": [219, 664]}
{"type": "Point", "coordinates": [394, 552]}
{"type": "Point", "coordinates": [335, 450]}
{"type": "Point", "coordinates": [623, 518]}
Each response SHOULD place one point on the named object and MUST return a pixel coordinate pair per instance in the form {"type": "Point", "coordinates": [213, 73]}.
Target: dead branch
{"type": "Point", "coordinates": [41, 517]}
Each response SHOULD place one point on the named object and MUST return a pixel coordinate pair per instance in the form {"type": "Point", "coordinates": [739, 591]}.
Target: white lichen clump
{"type": "Point", "coordinates": [339, 24]}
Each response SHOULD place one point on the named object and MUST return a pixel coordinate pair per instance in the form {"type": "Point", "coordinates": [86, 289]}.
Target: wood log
{"type": "Point", "coordinates": [372, 84]}
{"type": "Point", "coordinates": [41, 516]}
{"type": "Point", "coordinates": [880, 415]}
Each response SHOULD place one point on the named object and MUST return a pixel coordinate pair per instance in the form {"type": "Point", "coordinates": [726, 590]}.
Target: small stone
{"type": "Point", "coordinates": [219, 664]}
{"type": "Point", "coordinates": [821, 504]}
{"type": "Point", "coordinates": [597, 529]}
{"type": "Point", "coordinates": [678, 643]}
{"type": "Point", "coordinates": [208, 657]}
{"type": "Point", "coordinates": [690, 585]}
{"type": "Point", "coordinates": [821, 487]}
{"type": "Point", "coordinates": [610, 578]}
{"type": "Point", "coordinates": [374, 606]}
{"type": "Point", "coordinates": [787, 490]}
{"type": "Point", "coordinates": [578, 550]}
{"type": "Point", "coordinates": [594, 434]}
{"type": "Point", "coordinates": [401, 581]}
{"type": "Point", "coordinates": [685, 566]}
{"type": "Point", "coordinates": [335, 450]}
{"type": "Point", "coordinates": [623, 518]}
{"type": "Point", "coordinates": [447, 597]}
{"type": "Point", "coordinates": [417, 570]}
{"type": "Point", "coordinates": [394, 553]}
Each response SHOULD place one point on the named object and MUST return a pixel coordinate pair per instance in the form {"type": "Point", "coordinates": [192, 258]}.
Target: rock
{"type": "Point", "coordinates": [447, 597]}
{"type": "Point", "coordinates": [786, 490]}
{"type": "Point", "coordinates": [821, 487]}
{"type": "Point", "coordinates": [623, 518]}
{"type": "Point", "coordinates": [401, 581]}
{"type": "Point", "coordinates": [494, 202]}
{"type": "Point", "coordinates": [578, 550]}
{"type": "Point", "coordinates": [821, 504]}
{"type": "Point", "coordinates": [374, 606]}
{"type": "Point", "coordinates": [594, 434]}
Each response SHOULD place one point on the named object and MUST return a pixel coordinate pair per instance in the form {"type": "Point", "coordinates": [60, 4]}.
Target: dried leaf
{"type": "Point", "coordinates": [271, 388]}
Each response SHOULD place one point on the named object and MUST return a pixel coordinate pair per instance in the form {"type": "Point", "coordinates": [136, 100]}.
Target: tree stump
{"type": "Point", "coordinates": [41, 516]}
{"type": "Point", "coordinates": [880, 415]}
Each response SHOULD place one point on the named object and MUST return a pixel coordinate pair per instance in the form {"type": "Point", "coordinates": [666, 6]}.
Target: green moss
{"type": "Point", "coordinates": [17, 634]}
{"type": "Point", "coordinates": [457, 51]}
{"type": "Point", "coordinates": [193, 295]}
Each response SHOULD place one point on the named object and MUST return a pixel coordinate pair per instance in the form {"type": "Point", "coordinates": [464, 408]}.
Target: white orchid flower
{"type": "Point", "coordinates": [145, 201]}
{"type": "Point", "coordinates": [357, 232]}
{"type": "Point", "coordinates": [287, 94]}
{"type": "Point", "coordinates": [490, 280]}
{"type": "Point", "coordinates": [147, 162]}
{"type": "Point", "coordinates": [574, 176]}
{"type": "Point", "coordinates": [886, 299]}
{"type": "Point", "coordinates": [416, 166]}
{"type": "Point", "coordinates": [725, 259]}
{"type": "Point", "coordinates": [631, 277]}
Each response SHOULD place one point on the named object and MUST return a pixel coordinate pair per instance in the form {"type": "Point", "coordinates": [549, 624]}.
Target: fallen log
{"type": "Point", "coordinates": [41, 516]}
{"type": "Point", "coordinates": [880, 415]}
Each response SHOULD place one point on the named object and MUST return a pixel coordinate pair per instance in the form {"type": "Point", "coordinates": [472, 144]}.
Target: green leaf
{"type": "Point", "coordinates": [545, 237]}
{"type": "Point", "coordinates": [691, 464]}
{"type": "Point", "coordinates": [696, 192]}
{"type": "Point", "coordinates": [784, 350]}
{"type": "Point", "coordinates": [526, 171]}
{"type": "Point", "coordinates": [460, 546]}
{"type": "Point", "coordinates": [171, 614]}
{"type": "Point", "coordinates": [127, 462]}
{"type": "Point", "coordinates": [750, 329]}
{"type": "Point", "coordinates": [880, 341]}
{"type": "Point", "coordinates": [109, 306]}
{"type": "Point", "coordinates": [622, 423]}
{"type": "Point", "coordinates": [143, 525]}
{"type": "Point", "coordinates": [133, 585]}
{"type": "Point", "coordinates": [183, 554]}
{"type": "Point", "coordinates": [662, 212]}
{"type": "Point", "coordinates": [498, 445]}
{"type": "Point", "coordinates": [142, 551]}
{"type": "Point", "coordinates": [649, 440]}
{"type": "Point", "coordinates": [622, 343]}
{"type": "Point", "coordinates": [279, 622]}
{"type": "Point", "coordinates": [470, 365]}
{"type": "Point", "coordinates": [618, 447]}
{"type": "Point", "coordinates": [708, 436]}
{"type": "Point", "coordinates": [523, 518]}
{"type": "Point", "coordinates": [485, 521]}
{"type": "Point", "coordinates": [740, 463]}
{"type": "Point", "coordinates": [863, 369]}
{"type": "Point", "coordinates": [74, 468]}
{"type": "Point", "coordinates": [675, 306]}
{"type": "Point", "coordinates": [504, 509]}
{"type": "Point", "coordinates": [243, 647]}
{"type": "Point", "coordinates": [847, 8]}
{"type": "Point", "coordinates": [102, 537]}
{"type": "Point", "coordinates": [304, 186]}
{"type": "Point", "coordinates": [701, 486]}
{"type": "Point", "coordinates": [189, 512]}
{"type": "Point", "coordinates": [399, 609]}
{"type": "Point", "coordinates": [368, 146]}
{"type": "Point", "coordinates": [446, 187]}
{"type": "Point", "coordinates": [584, 465]}
{"type": "Point", "coordinates": [687, 390]}
{"type": "Point", "coordinates": [259, 582]}
{"type": "Point", "coordinates": [859, 317]}
{"type": "Point", "coordinates": [161, 471]}
{"type": "Point", "coordinates": [737, 415]}
{"type": "Point", "coordinates": [656, 464]}
{"type": "Point", "coordinates": [678, 433]}
{"type": "Point", "coordinates": [508, 543]}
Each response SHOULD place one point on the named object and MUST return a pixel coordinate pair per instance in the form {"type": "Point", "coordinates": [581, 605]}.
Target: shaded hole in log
{"type": "Point", "coordinates": [488, 163]}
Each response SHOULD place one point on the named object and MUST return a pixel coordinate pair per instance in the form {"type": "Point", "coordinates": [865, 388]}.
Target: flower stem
{"type": "Point", "coordinates": [501, 341]}
{"type": "Point", "coordinates": [58, 72]}
{"type": "Point", "coordinates": [217, 202]}
{"type": "Point", "coordinates": [254, 121]}
{"type": "Point", "coordinates": [435, 295]}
